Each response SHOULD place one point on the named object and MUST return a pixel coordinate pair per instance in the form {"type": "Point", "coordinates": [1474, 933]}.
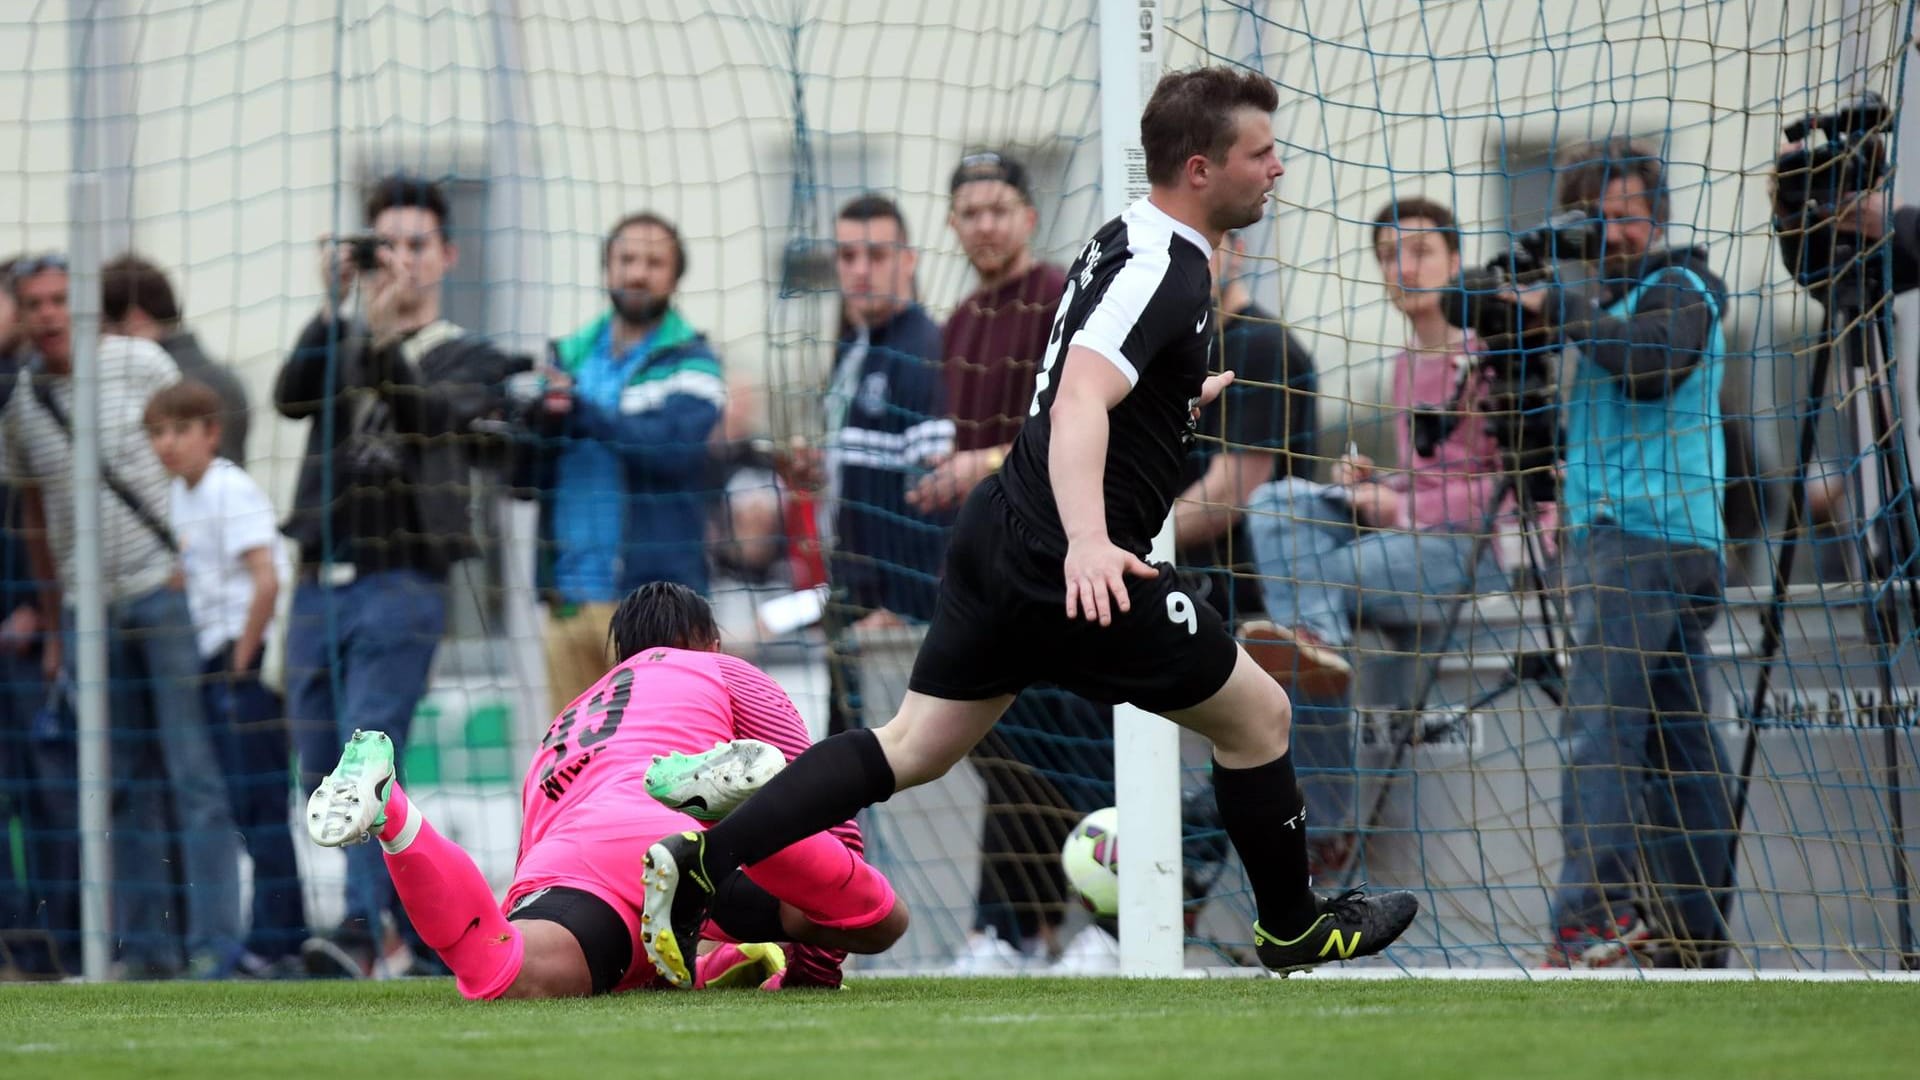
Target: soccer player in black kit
{"type": "Point", "coordinates": [1046, 578]}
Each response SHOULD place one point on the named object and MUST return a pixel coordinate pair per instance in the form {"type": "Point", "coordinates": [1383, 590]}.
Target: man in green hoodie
{"type": "Point", "coordinates": [620, 461]}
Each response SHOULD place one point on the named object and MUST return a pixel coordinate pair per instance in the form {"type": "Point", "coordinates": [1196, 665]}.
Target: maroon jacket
{"type": "Point", "coordinates": [992, 345]}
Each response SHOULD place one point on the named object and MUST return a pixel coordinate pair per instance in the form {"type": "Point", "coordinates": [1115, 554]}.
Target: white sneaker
{"type": "Point", "coordinates": [349, 804]}
{"type": "Point", "coordinates": [707, 786]}
{"type": "Point", "coordinates": [1092, 951]}
{"type": "Point", "coordinates": [985, 954]}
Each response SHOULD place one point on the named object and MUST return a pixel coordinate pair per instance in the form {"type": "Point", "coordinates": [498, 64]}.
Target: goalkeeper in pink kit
{"type": "Point", "coordinates": [571, 924]}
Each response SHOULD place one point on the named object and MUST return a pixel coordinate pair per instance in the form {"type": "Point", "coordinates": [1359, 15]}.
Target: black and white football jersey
{"type": "Point", "coordinates": [1140, 294]}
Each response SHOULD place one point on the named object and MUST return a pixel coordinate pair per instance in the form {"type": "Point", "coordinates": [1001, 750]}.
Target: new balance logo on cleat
{"type": "Point", "coordinates": [1339, 947]}
{"type": "Point", "coordinates": [1350, 926]}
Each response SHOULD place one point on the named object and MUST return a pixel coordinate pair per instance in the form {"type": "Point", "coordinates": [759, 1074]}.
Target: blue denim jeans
{"type": "Point", "coordinates": [164, 772]}
{"type": "Point", "coordinates": [49, 813]}
{"type": "Point", "coordinates": [358, 656]}
{"type": "Point", "coordinates": [21, 691]}
{"type": "Point", "coordinates": [1646, 795]}
{"type": "Point", "coordinates": [1319, 570]}
{"type": "Point", "coordinates": [250, 731]}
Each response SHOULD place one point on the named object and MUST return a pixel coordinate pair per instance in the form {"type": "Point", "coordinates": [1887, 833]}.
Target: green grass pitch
{"type": "Point", "coordinates": [988, 1028]}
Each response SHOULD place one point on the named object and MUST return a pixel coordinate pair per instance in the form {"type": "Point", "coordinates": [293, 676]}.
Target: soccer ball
{"type": "Point", "coordinates": [1091, 858]}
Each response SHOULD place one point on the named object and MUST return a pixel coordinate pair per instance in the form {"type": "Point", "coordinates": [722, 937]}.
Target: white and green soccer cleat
{"type": "Point", "coordinates": [708, 786]}
{"type": "Point", "coordinates": [349, 806]}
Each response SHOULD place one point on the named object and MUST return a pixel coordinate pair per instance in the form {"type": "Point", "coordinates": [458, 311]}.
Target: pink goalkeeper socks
{"type": "Point", "coordinates": [450, 903]}
{"type": "Point", "coordinates": [826, 881]}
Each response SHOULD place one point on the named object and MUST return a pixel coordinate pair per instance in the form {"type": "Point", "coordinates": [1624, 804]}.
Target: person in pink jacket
{"type": "Point", "coordinates": [1388, 543]}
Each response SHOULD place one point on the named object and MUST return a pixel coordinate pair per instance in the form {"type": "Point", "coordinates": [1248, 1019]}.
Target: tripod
{"type": "Point", "coordinates": [1857, 327]}
{"type": "Point", "coordinates": [1539, 666]}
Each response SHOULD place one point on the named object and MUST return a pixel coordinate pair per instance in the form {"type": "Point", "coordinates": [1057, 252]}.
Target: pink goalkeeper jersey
{"type": "Point", "coordinates": [587, 782]}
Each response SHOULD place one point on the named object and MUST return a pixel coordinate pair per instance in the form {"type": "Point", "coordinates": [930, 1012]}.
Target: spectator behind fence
{"type": "Point", "coordinates": [231, 549]}
{"type": "Point", "coordinates": [1043, 769]}
{"type": "Point", "coordinates": [885, 423]}
{"type": "Point", "coordinates": [381, 508]}
{"type": "Point", "coordinates": [1645, 804]}
{"type": "Point", "coordinates": [1876, 218]}
{"type": "Point", "coordinates": [24, 902]}
{"type": "Point", "coordinates": [137, 300]}
{"type": "Point", "coordinates": [746, 534]}
{"type": "Point", "coordinates": [619, 454]}
{"type": "Point", "coordinates": [163, 760]}
{"type": "Point", "coordinates": [1391, 546]}
{"type": "Point", "coordinates": [995, 340]}
{"type": "Point", "coordinates": [1866, 228]}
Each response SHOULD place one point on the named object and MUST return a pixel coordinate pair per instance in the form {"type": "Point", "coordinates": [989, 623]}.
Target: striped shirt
{"type": "Point", "coordinates": [39, 451]}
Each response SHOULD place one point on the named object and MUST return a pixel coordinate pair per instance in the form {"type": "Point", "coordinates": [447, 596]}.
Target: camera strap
{"type": "Point", "coordinates": [43, 393]}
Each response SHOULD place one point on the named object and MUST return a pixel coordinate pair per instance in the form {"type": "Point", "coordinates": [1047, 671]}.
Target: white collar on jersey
{"type": "Point", "coordinates": [1145, 208]}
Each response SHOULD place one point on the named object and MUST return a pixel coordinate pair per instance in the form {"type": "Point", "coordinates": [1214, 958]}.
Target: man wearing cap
{"type": "Point", "coordinates": [993, 342]}
{"type": "Point", "coordinates": [991, 348]}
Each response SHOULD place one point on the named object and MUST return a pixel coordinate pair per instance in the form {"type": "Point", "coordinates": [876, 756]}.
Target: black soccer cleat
{"type": "Point", "coordinates": [678, 893]}
{"type": "Point", "coordinates": [1350, 926]}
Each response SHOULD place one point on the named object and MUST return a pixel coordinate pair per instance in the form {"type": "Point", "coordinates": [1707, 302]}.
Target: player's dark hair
{"type": "Point", "coordinates": [131, 282]}
{"type": "Point", "coordinates": [185, 400]}
{"type": "Point", "coordinates": [1392, 214]}
{"type": "Point", "coordinates": [661, 614]}
{"type": "Point", "coordinates": [1191, 112]}
{"type": "Point", "coordinates": [403, 190]}
{"type": "Point", "coordinates": [870, 206]}
{"type": "Point", "coordinates": [1586, 171]}
{"type": "Point", "coordinates": [647, 217]}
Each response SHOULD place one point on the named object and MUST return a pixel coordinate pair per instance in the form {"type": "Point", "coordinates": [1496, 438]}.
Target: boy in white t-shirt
{"type": "Point", "coordinates": [234, 561]}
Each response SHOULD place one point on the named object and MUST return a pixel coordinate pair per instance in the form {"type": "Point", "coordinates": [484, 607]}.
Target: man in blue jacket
{"type": "Point", "coordinates": [886, 423]}
{"type": "Point", "coordinates": [621, 461]}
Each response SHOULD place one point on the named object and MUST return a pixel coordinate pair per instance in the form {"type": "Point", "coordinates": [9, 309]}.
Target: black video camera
{"type": "Point", "coordinates": [1521, 404]}
{"type": "Point", "coordinates": [1811, 182]}
{"type": "Point", "coordinates": [1521, 407]}
{"type": "Point", "coordinates": [1476, 300]}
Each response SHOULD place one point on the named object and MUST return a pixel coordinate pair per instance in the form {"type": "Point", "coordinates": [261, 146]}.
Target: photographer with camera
{"type": "Point", "coordinates": [1832, 210]}
{"type": "Point", "coordinates": [381, 508]}
{"type": "Point", "coordinates": [1848, 245]}
{"type": "Point", "coordinates": [1645, 465]}
{"type": "Point", "coordinates": [1867, 215]}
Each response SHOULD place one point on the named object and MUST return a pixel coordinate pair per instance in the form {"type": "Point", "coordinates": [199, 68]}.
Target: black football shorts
{"type": "Point", "coordinates": [1001, 625]}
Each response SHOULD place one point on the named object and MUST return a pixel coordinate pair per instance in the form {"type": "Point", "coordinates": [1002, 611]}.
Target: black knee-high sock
{"type": "Point", "coordinates": [830, 782]}
{"type": "Point", "coordinates": [1263, 815]}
